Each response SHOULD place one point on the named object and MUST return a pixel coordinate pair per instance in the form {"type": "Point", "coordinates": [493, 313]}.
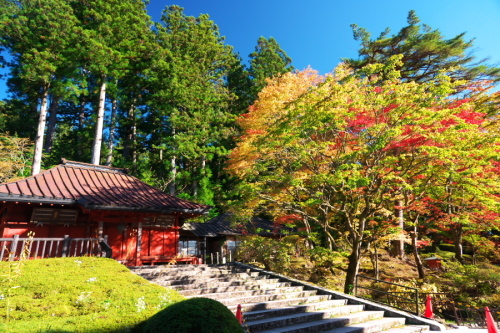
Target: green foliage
{"type": "Point", "coordinates": [77, 295]}
{"type": "Point", "coordinates": [425, 53]}
{"type": "Point", "coordinates": [266, 62]}
{"type": "Point", "coordinates": [339, 151]}
{"type": "Point", "coordinates": [190, 104]}
{"type": "Point", "coordinates": [176, 86]}
{"type": "Point", "coordinates": [482, 247]}
{"type": "Point", "coordinates": [42, 38]}
{"type": "Point", "coordinates": [18, 117]}
{"type": "Point", "coordinates": [115, 34]}
{"type": "Point", "coordinates": [240, 84]}
{"type": "Point", "coordinates": [297, 244]}
{"type": "Point", "coordinates": [323, 257]}
{"type": "Point", "coordinates": [274, 254]}
{"type": "Point", "coordinates": [473, 281]}
{"type": "Point", "coordinates": [201, 315]}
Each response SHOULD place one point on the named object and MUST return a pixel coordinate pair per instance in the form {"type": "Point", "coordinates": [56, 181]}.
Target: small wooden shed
{"type": "Point", "coordinates": [82, 200]}
{"type": "Point", "coordinates": [221, 235]}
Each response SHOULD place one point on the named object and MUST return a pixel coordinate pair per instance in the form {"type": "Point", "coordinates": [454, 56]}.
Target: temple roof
{"type": "Point", "coordinates": [95, 187]}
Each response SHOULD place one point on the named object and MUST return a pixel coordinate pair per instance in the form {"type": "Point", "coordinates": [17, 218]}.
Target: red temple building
{"type": "Point", "coordinates": [90, 202]}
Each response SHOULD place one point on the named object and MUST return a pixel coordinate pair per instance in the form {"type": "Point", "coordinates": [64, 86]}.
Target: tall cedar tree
{"type": "Point", "coordinates": [191, 100]}
{"type": "Point", "coordinates": [425, 52]}
{"type": "Point", "coordinates": [116, 33]}
{"type": "Point", "coordinates": [267, 61]}
{"type": "Point", "coordinates": [42, 37]}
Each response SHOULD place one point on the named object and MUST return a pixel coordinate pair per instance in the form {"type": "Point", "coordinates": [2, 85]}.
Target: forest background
{"type": "Point", "coordinates": [399, 145]}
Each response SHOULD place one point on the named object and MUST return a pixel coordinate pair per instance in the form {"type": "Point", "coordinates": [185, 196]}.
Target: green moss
{"type": "Point", "coordinates": [76, 295]}
{"type": "Point", "coordinates": [195, 315]}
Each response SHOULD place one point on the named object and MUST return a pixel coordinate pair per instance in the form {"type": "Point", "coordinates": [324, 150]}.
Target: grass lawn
{"type": "Point", "coordinates": [81, 294]}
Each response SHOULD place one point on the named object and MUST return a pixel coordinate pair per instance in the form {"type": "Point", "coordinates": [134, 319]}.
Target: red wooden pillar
{"type": "Point", "coordinates": [138, 261]}
{"type": "Point", "coordinates": [176, 235]}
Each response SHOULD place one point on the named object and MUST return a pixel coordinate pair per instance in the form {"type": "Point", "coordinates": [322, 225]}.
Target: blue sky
{"type": "Point", "coordinates": [317, 33]}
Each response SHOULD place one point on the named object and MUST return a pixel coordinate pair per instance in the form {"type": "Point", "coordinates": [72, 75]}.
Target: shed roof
{"type": "Point", "coordinates": [224, 225]}
{"type": "Point", "coordinates": [95, 187]}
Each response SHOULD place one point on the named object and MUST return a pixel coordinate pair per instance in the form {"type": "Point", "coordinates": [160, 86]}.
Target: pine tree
{"type": "Point", "coordinates": [425, 53]}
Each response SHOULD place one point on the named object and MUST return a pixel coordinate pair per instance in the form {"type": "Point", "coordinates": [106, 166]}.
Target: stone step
{"type": "Point", "coordinates": [372, 326]}
{"type": "Point", "coordinates": [258, 298]}
{"type": "Point", "coordinates": [214, 284]}
{"type": "Point", "coordinates": [408, 329]}
{"type": "Point", "coordinates": [211, 275]}
{"type": "Point", "coordinates": [245, 293]}
{"type": "Point", "coordinates": [194, 273]}
{"type": "Point", "coordinates": [272, 304]}
{"type": "Point", "coordinates": [175, 272]}
{"type": "Point", "coordinates": [200, 276]}
{"type": "Point", "coordinates": [187, 268]}
{"type": "Point", "coordinates": [325, 325]}
{"type": "Point", "coordinates": [193, 280]}
{"type": "Point", "coordinates": [284, 311]}
{"type": "Point", "coordinates": [243, 287]}
{"type": "Point", "coordinates": [170, 270]}
{"type": "Point", "coordinates": [305, 317]}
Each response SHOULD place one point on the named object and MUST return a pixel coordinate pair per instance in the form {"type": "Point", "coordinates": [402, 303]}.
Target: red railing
{"type": "Point", "coordinates": [35, 248]}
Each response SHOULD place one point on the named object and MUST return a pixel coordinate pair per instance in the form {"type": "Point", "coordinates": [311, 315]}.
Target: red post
{"type": "Point", "coordinates": [428, 308]}
{"type": "Point", "coordinates": [490, 323]}
{"type": "Point", "coordinates": [239, 315]}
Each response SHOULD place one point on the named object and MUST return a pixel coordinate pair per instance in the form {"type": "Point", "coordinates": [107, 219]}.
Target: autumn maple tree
{"type": "Point", "coordinates": [340, 150]}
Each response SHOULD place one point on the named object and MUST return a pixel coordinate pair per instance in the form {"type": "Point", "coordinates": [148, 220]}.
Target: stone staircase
{"type": "Point", "coordinates": [271, 305]}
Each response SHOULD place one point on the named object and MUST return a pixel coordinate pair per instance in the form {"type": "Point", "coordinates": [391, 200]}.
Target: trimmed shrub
{"type": "Point", "coordinates": [195, 315]}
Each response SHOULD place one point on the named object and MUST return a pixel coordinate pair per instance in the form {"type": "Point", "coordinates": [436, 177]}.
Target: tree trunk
{"type": "Point", "coordinates": [96, 149]}
{"type": "Point", "coordinates": [112, 127]}
{"type": "Point", "coordinates": [134, 141]}
{"type": "Point", "coordinates": [353, 267]}
{"type": "Point", "coordinates": [195, 181]}
{"type": "Point", "coordinates": [51, 127]}
{"type": "Point", "coordinates": [416, 255]}
{"type": "Point", "coordinates": [399, 245]}
{"type": "Point", "coordinates": [37, 156]}
{"type": "Point", "coordinates": [194, 187]}
{"type": "Point", "coordinates": [457, 240]}
{"type": "Point", "coordinates": [173, 171]}
{"type": "Point", "coordinates": [374, 260]}
{"type": "Point", "coordinates": [330, 241]}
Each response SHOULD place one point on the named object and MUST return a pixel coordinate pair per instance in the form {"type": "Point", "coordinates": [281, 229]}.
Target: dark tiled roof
{"type": "Point", "coordinates": [225, 225]}
{"type": "Point", "coordinates": [95, 187]}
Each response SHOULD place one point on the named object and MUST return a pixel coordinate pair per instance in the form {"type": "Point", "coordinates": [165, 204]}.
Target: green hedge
{"type": "Point", "coordinates": [195, 315]}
